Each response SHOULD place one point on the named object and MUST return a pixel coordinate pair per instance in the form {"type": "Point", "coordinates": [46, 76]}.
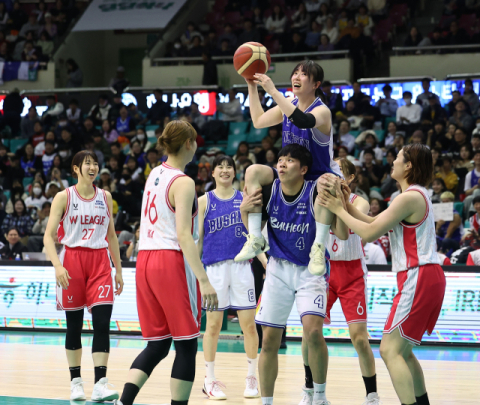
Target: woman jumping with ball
{"type": "Point", "coordinates": [307, 121]}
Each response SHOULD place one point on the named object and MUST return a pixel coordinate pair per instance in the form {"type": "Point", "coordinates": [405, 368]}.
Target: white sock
{"type": "Point", "coordinates": [255, 224]}
{"type": "Point", "coordinates": [267, 400]}
{"type": "Point", "coordinates": [252, 367]}
{"type": "Point", "coordinates": [319, 392]}
{"type": "Point", "coordinates": [322, 233]}
{"type": "Point", "coordinates": [210, 368]}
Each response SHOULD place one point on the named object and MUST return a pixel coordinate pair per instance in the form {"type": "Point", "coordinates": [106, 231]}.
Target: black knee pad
{"type": "Point", "coordinates": [73, 338]}
{"type": "Point", "coordinates": [101, 328]}
{"type": "Point", "coordinates": [153, 354]}
{"type": "Point", "coordinates": [184, 364]}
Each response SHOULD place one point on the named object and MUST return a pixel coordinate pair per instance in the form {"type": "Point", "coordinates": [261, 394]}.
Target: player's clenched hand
{"type": "Point", "coordinates": [250, 201]}
{"type": "Point", "coordinates": [265, 82]}
{"type": "Point", "coordinates": [118, 283]}
{"type": "Point", "coordinates": [62, 276]}
{"type": "Point", "coordinates": [209, 296]}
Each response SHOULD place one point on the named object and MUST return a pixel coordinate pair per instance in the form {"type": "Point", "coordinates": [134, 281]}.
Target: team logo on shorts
{"type": "Point", "coordinates": [157, 180]}
{"type": "Point", "coordinates": [70, 298]}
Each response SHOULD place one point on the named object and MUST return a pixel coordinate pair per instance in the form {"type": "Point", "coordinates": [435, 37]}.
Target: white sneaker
{"type": "Point", "coordinates": [372, 399]}
{"type": "Point", "coordinates": [321, 402]}
{"type": "Point", "coordinates": [213, 390]}
{"type": "Point", "coordinates": [76, 390]}
{"type": "Point", "coordinates": [117, 402]}
{"type": "Point", "coordinates": [252, 247]}
{"type": "Point", "coordinates": [307, 398]}
{"type": "Point", "coordinates": [101, 392]}
{"type": "Point", "coordinates": [317, 265]}
{"type": "Point", "coordinates": [251, 387]}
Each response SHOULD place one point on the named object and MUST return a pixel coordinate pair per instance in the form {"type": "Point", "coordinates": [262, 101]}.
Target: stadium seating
{"type": "Point", "coordinates": [256, 135]}
{"type": "Point", "coordinates": [233, 142]}
{"type": "Point", "coordinates": [237, 128]}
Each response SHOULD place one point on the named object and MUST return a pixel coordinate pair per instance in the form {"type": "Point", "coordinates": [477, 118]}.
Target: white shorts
{"type": "Point", "coordinates": [285, 283]}
{"type": "Point", "coordinates": [234, 284]}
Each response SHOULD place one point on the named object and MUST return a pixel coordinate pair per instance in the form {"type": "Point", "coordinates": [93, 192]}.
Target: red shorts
{"type": "Point", "coordinates": [91, 279]}
{"type": "Point", "coordinates": [348, 282]}
{"type": "Point", "coordinates": [168, 296]}
{"type": "Point", "coordinates": [417, 305]}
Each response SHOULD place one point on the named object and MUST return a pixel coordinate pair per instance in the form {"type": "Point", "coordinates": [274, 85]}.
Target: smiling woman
{"type": "Point", "coordinates": [80, 216]}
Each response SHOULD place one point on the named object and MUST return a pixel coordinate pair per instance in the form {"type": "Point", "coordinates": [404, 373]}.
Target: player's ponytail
{"type": "Point", "coordinates": [315, 72]}
{"type": "Point", "coordinates": [175, 134]}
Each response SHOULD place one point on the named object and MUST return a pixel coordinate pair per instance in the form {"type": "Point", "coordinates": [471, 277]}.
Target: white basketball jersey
{"type": "Point", "coordinates": [85, 222]}
{"type": "Point", "coordinates": [157, 224]}
{"type": "Point", "coordinates": [346, 250]}
{"type": "Point", "coordinates": [414, 245]}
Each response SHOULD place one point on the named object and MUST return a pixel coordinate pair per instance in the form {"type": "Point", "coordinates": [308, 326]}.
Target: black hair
{"type": "Point", "coordinates": [74, 101]}
{"type": "Point", "coordinates": [406, 93]}
{"type": "Point", "coordinates": [369, 150]}
{"type": "Point", "coordinates": [298, 152]}
{"type": "Point", "coordinates": [476, 200]}
{"type": "Point", "coordinates": [219, 159]}
{"type": "Point", "coordinates": [51, 97]}
{"type": "Point", "coordinates": [387, 87]}
{"type": "Point", "coordinates": [79, 158]}
{"type": "Point", "coordinates": [46, 204]}
{"type": "Point", "coordinates": [48, 142]}
{"type": "Point", "coordinates": [24, 207]}
{"type": "Point", "coordinates": [13, 228]}
{"type": "Point", "coordinates": [314, 72]}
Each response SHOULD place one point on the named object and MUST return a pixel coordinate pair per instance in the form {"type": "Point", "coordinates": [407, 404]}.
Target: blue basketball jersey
{"type": "Point", "coordinates": [319, 144]}
{"type": "Point", "coordinates": [291, 226]}
{"type": "Point", "coordinates": [223, 228]}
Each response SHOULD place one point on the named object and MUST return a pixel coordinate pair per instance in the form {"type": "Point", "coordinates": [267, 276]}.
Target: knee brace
{"type": "Point", "coordinates": [73, 339]}
{"type": "Point", "coordinates": [153, 354]}
{"type": "Point", "coordinates": [101, 328]}
{"type": "Point", "coordinates": [184, 364]}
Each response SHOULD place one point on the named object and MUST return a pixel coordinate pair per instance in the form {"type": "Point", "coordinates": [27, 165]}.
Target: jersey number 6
{"type": "Point", "coordinates": [149, 208]}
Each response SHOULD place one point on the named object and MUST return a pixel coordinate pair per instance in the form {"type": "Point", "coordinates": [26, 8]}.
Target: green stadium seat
{"type": "Point", "coordinates": [233, 142]}
{"type": "Point", "coordinates": [238, 128]}
{"type": "Point", "coordinates": [16, 144]}
{"type": "Point", "coordinates": [458, 206]}
{"type": "Point", "coordinates": [7, 194]}
{"type": "Point", "coordinates": [466, 225]}
{"type": "Point", "coordinates": [6, 142]}
{"type": "Point", "coordinates": [380, 134]}
{"type": "Point", "coordinates": [98, 127]}
{"type": "Point", "coordinates": [388, 120]}
{"type": "Point", "coordinates": [152, 140]}
{"type": "Point", "coordinates": [151, 128]}
{"type": "Point", "coordinates": [355, 133]}
{"type": "Point", "coordinates": [27, 181]}
{"type": "Point", "coordinates": [256, 135]}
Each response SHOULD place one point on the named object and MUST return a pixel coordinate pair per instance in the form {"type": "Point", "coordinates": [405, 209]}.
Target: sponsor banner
{"type": "Point", "coordinates": [27, 299]}
{"type": "Point", "coordinates": [103, 15]}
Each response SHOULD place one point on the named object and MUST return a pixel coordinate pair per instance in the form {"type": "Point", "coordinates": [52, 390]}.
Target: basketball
{"type": "Point", "coordinates": [251, 58]}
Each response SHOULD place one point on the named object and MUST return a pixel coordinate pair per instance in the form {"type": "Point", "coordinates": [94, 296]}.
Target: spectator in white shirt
{"type": "Point", "coordinates": [74, 113]}
{"type": "Point", "coordinates": [331, 30]}
{"type": "Point", "coordinates": [345, 138]}
{"type": "Point", "coordinates": [388, 106]}
{"type": "Point", "coordinates": [275, 24]}
{"type": "Point", "coordinates": [408, 116]}
{"type": "Point", "coordinates": [301, 19]}
{"type": "Point", "coordinates": [374, 254]}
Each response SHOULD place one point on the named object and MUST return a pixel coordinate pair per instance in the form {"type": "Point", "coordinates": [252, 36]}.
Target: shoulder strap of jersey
{"type": "Point", "coordinates": [207, 195]}
{"type": "Point", "coordinates": [68, 204]}
{"type": "Point", "coordinates": [104, 193]}
{"type": "Point", "coordinates": [274, 187]}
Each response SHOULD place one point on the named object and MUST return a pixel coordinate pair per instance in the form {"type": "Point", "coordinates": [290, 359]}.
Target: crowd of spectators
{"type": "Point", "coordinates": [369, 134]}
{"type": "Point", "coordinates": [31, 34]}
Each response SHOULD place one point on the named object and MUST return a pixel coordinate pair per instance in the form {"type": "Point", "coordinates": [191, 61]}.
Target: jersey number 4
{"type": "Point", "coordinates": [149, 207]}
{"type": "Point", "coordinates": [300, 243]}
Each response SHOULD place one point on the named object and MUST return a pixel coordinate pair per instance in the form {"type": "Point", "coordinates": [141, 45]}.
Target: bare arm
{"type": "Point", "coordinates": [181, 195]}
{"type": "Point", "coordinates": [260, 118]}
{"type": "Point", "coordinates": [114, 248]}
{"type": "Point", "coordinates": [59, 205]}
{"type": "Point", "coordinates": [405, 206]}
{"type": "Point", "coordinates": [202, 205]}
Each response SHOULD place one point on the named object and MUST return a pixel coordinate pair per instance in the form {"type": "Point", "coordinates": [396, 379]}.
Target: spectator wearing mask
{"type": "Point", "coordinates": [409, 115]}
{"type": "Point", "coordinates": [374, 254]}
{"type": "Point", "coordinates": [54, 109]}
{"type": "Point", "coordinates": [344, 137]}
{"type": "Point", "coordinates": [19, 219]}
{"type": "Point", "coordinates": [13, 249]}
{"type": "Point", "coordinates": [471, 97]}
{"type": "Point", "coordinates": [422, 99]}
{"type": "Point", "coordinates": [446, 173]}
{"type": "Point", "coordinates": [387, 105]}
{"type": "Point", "coordinates": [28, 123]}
{"type": "Point", "coordinates": [35, 241]}
{"type": "Point", "coordinates": [66, 155]}
{"type": "Point", "coordinates": [48, 156]}
{"type": "Point", "coordinates": [159, 111]}
{"type": "Point", "coordinates": [74, 74]}
{"type": "Point", "coordinates": [449, 233]}
{"type": "Point", "coordinates": [99, 112]}
{"type": "Point", "coordinates": [119, 82]}
{"type": "Point", "coordinates": [74, 113]}
{"type": "Point", "coordinates": [36, 197]}
{"type": "Point", "coordinates": [232, 111]}
{"type": "Point", "coordinates": [462, 118]}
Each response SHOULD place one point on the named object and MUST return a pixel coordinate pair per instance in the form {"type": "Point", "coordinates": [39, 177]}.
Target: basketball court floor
{"type": "Point", "coordinates": [33, 371]}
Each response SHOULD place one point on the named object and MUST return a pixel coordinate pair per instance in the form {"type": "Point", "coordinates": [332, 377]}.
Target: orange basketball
{"type": "Point", "coordinates": [251, 58]}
